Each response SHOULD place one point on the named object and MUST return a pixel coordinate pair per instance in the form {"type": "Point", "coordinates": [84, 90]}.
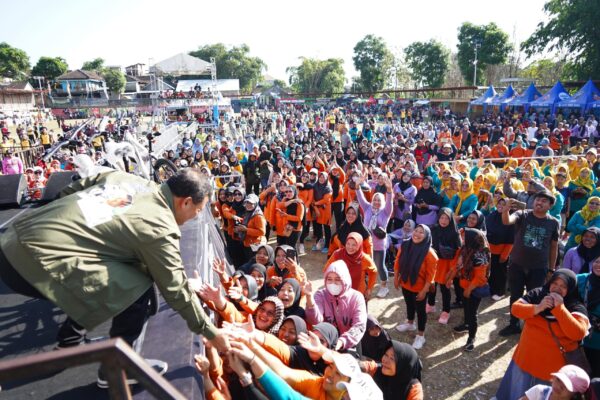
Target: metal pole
{"type": "Point", "coordinates": [39, 79]}
{"type": "Point", "coordinates": [475, 66]}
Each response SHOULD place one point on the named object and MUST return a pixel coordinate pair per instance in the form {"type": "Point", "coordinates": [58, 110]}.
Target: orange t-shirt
{"type": "Point", "coordinates": [426, 272]}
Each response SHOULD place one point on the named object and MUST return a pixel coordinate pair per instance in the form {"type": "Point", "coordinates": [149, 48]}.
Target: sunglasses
{"type": "Point", "coordinates": [38, 172]}
{"type": "Point", "coordinates": [237, 194]}
{"type": "Point", "coordinates": [594, 203]}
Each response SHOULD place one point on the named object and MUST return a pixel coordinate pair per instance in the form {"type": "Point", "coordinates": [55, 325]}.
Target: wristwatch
{"type": "Point", "coordinates": [246, 379]}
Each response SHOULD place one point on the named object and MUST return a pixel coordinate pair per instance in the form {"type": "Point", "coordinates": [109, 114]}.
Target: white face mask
{"type": "Point", "coordinates": [334, 289]}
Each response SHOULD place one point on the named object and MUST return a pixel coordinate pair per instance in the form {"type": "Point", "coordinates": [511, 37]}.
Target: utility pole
{"type": "Point", "coordinates": [39, 79]}
{"type": "Point", "coordinates": [477, 46]}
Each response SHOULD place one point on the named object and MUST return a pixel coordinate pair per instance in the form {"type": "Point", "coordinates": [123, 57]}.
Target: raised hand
{"type": "Point", "coordinates": [307, 288]}
{"type": "Point", "coordinates": [219, 266]}
{"type": "Point", "coordinates": [202, 364]}
{"type": "Point", "coordinates": [242, 351]}
{"type": "Point", "coordinates": [195, 282]}
{"type": "Point", "coordinates": [310, 341]}
{"type": "Point", "coordinates": [235, 291]}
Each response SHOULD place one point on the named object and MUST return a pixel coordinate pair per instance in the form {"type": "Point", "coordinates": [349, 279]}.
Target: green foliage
{"type": "Point", "coordinates": [572, 26]}
{"type": "Point", "coordinates": [96, 65]}
{"type": "Point", "coordinates": [372, 60]}
{"type": "Point", "coordinates": [494, 48]}
{"type": "Point", "coordinates": [546, 72]}
{"type": "Point", "coordinates": [233, 63]}
{"type": "Point", "coordinates": [14, 63]}
{"type": "Point", "coordinates": [50, 67]}
{"type": "Point", "coordinates": [115, 80]}
{"type": "Point", "coordinates": [318, 76]}
{"type": "Point", "coordinates": [428, 62]}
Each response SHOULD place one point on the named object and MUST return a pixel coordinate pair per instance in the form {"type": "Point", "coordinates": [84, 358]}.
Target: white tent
{"type": "Point", "coordinates": [182, 64]}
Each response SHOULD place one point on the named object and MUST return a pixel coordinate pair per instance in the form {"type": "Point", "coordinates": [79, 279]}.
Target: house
{"type": "Point", "coordinates": [16, 96]}
{"type": "Point", "coordinates": [269, 95]}
{"type": "Point", "coordinates": [80, 84]}
{"type": "Point", "coordinates": [135, 70]}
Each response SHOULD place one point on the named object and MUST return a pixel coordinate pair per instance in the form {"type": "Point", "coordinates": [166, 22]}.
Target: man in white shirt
{"type": "Point", "coordinates": [531, 131]}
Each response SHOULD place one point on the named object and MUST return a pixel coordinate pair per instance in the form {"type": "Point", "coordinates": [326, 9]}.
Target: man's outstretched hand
{"type": "Point", "coordinates": [221, 342]}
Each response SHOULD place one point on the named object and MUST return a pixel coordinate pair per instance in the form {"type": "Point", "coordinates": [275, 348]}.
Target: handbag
{"type": "Point", "coordinates": [379, 232]}
{"type": "Point", "coordinates": [575, 357]}
{"type": "Point", "coordinates": [482, 291]}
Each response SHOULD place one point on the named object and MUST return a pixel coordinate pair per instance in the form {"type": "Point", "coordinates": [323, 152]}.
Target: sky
{"type": "Point", "coordinates": [125, 32]}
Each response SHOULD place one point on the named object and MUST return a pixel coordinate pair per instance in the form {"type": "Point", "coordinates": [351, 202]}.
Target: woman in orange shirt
{"type": "Point", "coordinates": [414, 271]}
{"type": "Point", "coordinates": [322, 208]}
{"type": "Point", "coordinates": [288, 217]}
{"type": "Point", "coordinates": [253, 226]}
{"type": "Point", "coordinates": [473, 271]}
{"type": "Point", "coordinates": [305, 194]}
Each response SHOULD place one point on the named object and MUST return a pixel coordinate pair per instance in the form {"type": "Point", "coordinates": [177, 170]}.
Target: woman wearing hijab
{"type": "Point", "coordinates": [427, 203]}
{"type": "Point", "coordinates": [399, 373]}
{"type": "Point", "coordinates": [377, 215]}
{"type": "Point", "coordinates": [404, 197]}
{"type": "Point", "coordinates": [587, 217]}
{"type": "Point", "coordinates": [375, 341]}
{"type": "Point", "coordinates": [234, 212]}
{"type": "Point", "coordinates": [464, 202]}
{"type": "Point", "coordinates": [579, 259]}
{"type": "Point", "coordinates": [446, 242]}
{"type": "Point", "coordinates": [588, 285]}
{"type": "Point", "coordinates": [501, 238]}
{"type": "Point", "coordinates": [259, 273]}
{"type": "Point", "coordinates": [291, 327]}
{"type": "Point", "coordinates": [322, 208]}
{"type": "Point", "coordinates": [352, 223]}
{"type": "Point", "coordinates": [305, 194]}
{"type": "Point", "coordinates": [552, 313]}
{"type": "Point", "coordinates": [338, 304]}
{"type": "Point", "coordinates": [472, 272]}
{"type": "Point", "coordinates": [264, 255]}
{"type": "Point", "coordinates": [580, 190]}
{"type": "Point", "coordinates": [360, 265]}
{"type": "Point", "coordinates": [285, 266]}
{"type": "Point", "coordinates": [288, 217]}
{"type": "Point", "coordinates": [476, 220]}
{"type": "Point", "coordinates": [252, 228]}
{"type": "Point", "coordinates": [414, 271]}
{"type": "Point", "coordinates": [290, 295]}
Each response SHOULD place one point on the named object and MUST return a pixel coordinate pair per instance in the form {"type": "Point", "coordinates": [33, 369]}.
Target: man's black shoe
{"type": "Point", "coordinates": [462, 328]}
{"type": "Point", "coordinates": [456, 304]}
{"type": "Point", "coordinates": [509, 330]}
{"type": "Point", "coordinates": [159, 366]}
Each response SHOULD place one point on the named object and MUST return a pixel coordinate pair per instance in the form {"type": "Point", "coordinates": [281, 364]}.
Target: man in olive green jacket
{"type": "Point", "coordinates": [96, 251]}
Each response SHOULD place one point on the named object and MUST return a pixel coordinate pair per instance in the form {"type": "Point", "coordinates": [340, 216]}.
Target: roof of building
{"type": "Point", "coordinates": [79, 74]}
{"type": "Point", "coordinates": [20, 85]}
{"type": "Point", "coordinates": [182, 64]}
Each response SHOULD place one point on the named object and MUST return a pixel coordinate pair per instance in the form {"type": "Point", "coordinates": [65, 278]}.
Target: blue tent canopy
{"type": "Point", "coordinates": [583, 98]}
{"type": "Point", "coordinates": [504, 98]}
{"type": "Point", "coordinates": [485, 98]}
{"type": "Point", "coordinates": [551, 98]}
{"type": "Point", "coordinates": [527, 97]}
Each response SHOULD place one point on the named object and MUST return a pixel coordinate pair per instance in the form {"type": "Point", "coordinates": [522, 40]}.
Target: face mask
{"type": "Point", "coordinates": [334, 289]}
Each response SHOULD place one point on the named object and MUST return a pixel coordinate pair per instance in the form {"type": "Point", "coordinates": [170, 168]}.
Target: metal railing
{"type": "Point", "coordinates": [119, 361]}
{"type": "Point", "coordinates": [28, 155]}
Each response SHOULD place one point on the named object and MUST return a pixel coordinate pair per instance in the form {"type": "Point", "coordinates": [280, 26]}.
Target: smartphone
{"type": "Point", "coordinates": [291, 253]}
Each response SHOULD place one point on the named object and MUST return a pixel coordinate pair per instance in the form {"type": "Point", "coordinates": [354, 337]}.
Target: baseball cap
{"type": "Point", "coordinates": [251, 198]}
{"type": "Point", "coordinates": [361, 385]}
{"type": "Point", "coordinates": [575, 379]}
{"type": "Point", "coordinates": [544, 142]}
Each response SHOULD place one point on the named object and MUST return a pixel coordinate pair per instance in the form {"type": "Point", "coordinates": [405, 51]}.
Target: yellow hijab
{"type": "Point", "coordinates": [586, 183]}
{"type": "Point", "coordinates": [462, 195]}
{"type": "Point", "coordinates": [588, 215]}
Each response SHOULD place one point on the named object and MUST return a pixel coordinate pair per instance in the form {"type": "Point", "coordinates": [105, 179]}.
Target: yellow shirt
{"type": "Point", "coordinates": [25, 143]}
{"type": "Point", "coordinates": [45, 138]}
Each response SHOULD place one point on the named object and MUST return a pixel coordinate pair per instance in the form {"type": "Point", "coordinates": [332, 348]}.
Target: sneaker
{"type": "Point", "coordinates": [301, 249]}
{"type": "Point", "coordinates": [470, 346]}
{"type": "Point", "coordinates": [159, 366]}
{"type": "Point", "coordinates": [383, 291]}
{"type": "Point", "coordinates": [462, 328]}
{"type": "Point", "coordinates": [429, 309]}
{"type": "Point", "coordinates": [320, 244]}
{"type": "Point", "coordinates": [456, 304]}
{"type": "Point", "coordinates": [405, 327]}
{"type": "Point", "coordinates": [497, 297]}
{"type": "Point", "coordinates": [510, 329]}
{"type": "Point", "coordinates": [419, 342]}
{"type": "Point", "coordinates": [444, 317]}
{"type": "Point", "coordinates": [325, 250]}
{"type": "Point", "coordinates": [314, 248]}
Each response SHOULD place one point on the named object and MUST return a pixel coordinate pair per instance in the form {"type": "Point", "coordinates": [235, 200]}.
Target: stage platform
{"type": "Point", "coordinates": [29, 326]}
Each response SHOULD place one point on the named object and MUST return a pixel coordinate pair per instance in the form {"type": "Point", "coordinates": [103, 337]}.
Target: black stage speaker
{"type": "Point", "coordinates": [56, 183]}
{"type": "Point", "coordinates": [12, 188]}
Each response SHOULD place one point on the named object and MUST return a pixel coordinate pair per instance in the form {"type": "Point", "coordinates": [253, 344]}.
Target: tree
{"type": "Point", "coordinates": [50, 67]}
{"type": "Point", "coordinates": [428, 62]}
{"type": "Point", "coordinates": [115, 81]}
{"type": "Point", "coordinates": [546, 72]}
{"type": "Point", "coordinates": [14, 63]}
{"type": "Point", "coordinates": [572, 26]}
{"type": "Point", "coordinates": [233, 63]}
{"type": "Point", "coordinates": [318, 76]}
{"type": "Point", "coordinates": [372, 60]}
{"type": "Point", "coordinates": [96, 65]}
{"type": "Point", "coordinates": [493, 50]}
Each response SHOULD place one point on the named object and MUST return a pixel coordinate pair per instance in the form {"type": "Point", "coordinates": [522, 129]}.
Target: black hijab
{"type": "Point", "coordinates": [238, 206]}
{"type": "Point", "coordinates": [480, 221]}
{"type": "Point", "coordinates": [497, 232]}
{"type": "Point", "coordinates": [374, 347]}
{"type": "Point", "coordinates": [266, 290]}
{"type": "Point", "coordinates": [299, 323]}
{"type": "Point", "coordinates": [295, 308]}
{"type": "Point", "coordinates": [299, 357]}
{"type": "Point", "coordinates": [428, 196]}
{"type": "Point", "coordinates": [357, 226]}
{"type": "Point", "coordinates": [408, 372]}
{"type": "Point", "coordinates": [321, 189]}
{"type": "Point", "coordinates": [412, 256]}
{"type": "Point", "coordinates": [589, 255]}
{"type": "Point", "coordinates": [445, 237]}
{"type": "Point", "coordinates": [571, 300]}
{"type": "Point", "coordinates": [593, 292]}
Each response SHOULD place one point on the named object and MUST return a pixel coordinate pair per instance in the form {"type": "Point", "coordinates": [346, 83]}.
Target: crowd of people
{"type": "Point", "coordinates": [504, 205]}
